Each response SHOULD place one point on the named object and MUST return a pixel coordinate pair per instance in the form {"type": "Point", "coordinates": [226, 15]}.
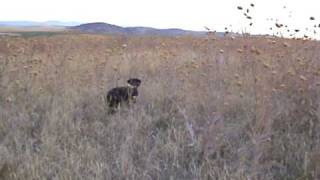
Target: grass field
{"type": "Point", "coordinates": [209, 108]}
{"type": "Point", "coordinates": [32, 31]}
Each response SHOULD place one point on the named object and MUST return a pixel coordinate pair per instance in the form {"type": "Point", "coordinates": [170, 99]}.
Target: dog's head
{"type": "Point", "coordinates": [134, 82]}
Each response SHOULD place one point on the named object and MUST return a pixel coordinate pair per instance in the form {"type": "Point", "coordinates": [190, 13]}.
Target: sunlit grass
{"type": "Point", "coordinates": [209, 108]}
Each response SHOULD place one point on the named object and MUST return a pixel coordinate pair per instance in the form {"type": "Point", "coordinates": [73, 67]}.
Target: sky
{"type": "Point", "coordinates": [186, 14]}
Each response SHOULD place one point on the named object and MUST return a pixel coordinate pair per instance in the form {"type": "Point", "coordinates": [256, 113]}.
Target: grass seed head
{"type": "Point", "coordinates": [274, 90]}
{"type": "Point", "coordinates": [124, 45]}
{"type": "Point", "coordinates": [285, 44]}
{"type": "Point", "coordinates": [303, 78]}
{"type": "Point", "coordinates": [239, 50]}
{"type": "Point", "coordinates": [278, 25]}
{"type": "Point", "coordinates": [283, 85]}
{"type": "Point", "coordinates": [9, 99]}
{"type": "Point", "coordinates": [266, 65]}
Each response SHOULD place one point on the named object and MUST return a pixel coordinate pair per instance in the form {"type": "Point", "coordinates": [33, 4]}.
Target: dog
{"type": "Point", "coordinates": [119, 96]}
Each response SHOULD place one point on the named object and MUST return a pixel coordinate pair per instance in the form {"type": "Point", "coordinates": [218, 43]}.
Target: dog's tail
{"type": "Point", "coordinates": [109, 104]}
{"type": "Point", "coordinates": [108, 99]}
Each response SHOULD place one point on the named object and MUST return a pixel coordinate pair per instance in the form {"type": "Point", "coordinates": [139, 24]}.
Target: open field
{"type": "Point", "coordinates": [32, 31]}
{"type": "Point", "coordinates": [209, 108]}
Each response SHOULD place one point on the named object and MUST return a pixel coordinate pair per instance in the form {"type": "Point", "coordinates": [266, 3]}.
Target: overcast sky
{"type": "Point", "coordinates": [187, 14]}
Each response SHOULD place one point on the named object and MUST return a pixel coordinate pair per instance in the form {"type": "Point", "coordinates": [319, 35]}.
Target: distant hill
{"type": "Point", "coordinates": [97, 28]}
{"type": "Point", "coordinates": [34, 23]}
{"type": "Point", "coordinates": [106, 28]}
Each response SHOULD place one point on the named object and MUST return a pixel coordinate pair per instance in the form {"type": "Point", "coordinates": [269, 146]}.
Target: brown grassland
{"type": "Point", "coordinates": [209, 108]}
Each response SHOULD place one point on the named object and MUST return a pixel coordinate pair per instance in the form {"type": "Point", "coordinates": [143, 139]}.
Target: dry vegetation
{"type": "Point", "coordinates": [209, 108]}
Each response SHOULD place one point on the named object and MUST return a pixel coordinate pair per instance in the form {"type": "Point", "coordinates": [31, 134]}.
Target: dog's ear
{"type": "Point", "coordinates": [134, 82]}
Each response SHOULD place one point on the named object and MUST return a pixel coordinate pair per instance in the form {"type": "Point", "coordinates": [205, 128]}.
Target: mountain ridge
{"type": "Point", "coordinates": [105, 28]}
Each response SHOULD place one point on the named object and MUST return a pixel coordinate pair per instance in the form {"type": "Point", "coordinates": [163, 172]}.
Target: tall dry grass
{"type": "Point", "coordinates": [209, 108]}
